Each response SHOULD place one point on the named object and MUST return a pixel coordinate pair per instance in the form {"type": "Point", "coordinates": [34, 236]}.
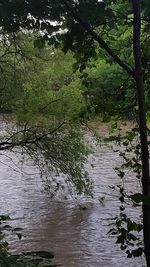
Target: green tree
{"type": "Point", "coordinates": [45, 104]}
{"type": "Point", "coordinates": [84, 23]}
{"type": "Point", "coordinates": [109, 90]}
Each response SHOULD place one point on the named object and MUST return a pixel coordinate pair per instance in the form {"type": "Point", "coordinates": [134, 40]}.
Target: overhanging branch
{"type": "Point", "coordinates": [97, 38]}
{"type": "Point", "coordinates": [28, 138]}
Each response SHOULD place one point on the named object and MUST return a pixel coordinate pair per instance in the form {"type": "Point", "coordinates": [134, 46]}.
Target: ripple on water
{"type": "Point", "coordinates": [77, 237]}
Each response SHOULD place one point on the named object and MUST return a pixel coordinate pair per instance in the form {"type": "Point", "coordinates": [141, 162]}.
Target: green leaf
{"type": "Point", "coordinates": [139, 198]}
{"type": "Point", "coordinates": [147, 48]}
{"type": "Point", "coordinates": [120, 239]}
{"type": "Point", "coordinates": [138, 252]}
{"type": "Point", "coordinates": [4, 217]}
{"type": "Point", "coordinates": [39, 43]}
{"type": "Point", "coordinates": [148, 116]}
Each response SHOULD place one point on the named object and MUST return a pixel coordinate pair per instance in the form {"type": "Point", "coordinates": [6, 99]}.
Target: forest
{"type": "Point", "coordinates": [69, 69]}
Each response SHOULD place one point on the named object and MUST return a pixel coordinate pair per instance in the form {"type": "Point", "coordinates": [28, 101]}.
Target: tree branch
{"type": "Point", "coordinates": [29, 140]}
{"type": "Point", "coordinates": [97, 38]}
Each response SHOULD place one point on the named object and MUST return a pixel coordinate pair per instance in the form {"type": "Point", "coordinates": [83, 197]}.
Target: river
{"type": "Point", "coordinates": [78, 237]}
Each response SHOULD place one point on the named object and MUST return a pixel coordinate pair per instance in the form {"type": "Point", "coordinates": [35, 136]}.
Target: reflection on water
{"type": "Point", "coordinates": [77, 237]}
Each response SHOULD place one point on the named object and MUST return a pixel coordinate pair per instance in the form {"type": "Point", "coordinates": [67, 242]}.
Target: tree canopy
{"type": "Point", "coordinates": [77, 24]}
{"type": "Point", "coordinates": [116, 31]}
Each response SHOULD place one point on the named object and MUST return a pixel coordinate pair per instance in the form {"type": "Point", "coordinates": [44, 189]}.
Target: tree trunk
{"type": "Point", "coordinates": [142, 125]}
{"type": "Point", "coordinates": [137, 74]}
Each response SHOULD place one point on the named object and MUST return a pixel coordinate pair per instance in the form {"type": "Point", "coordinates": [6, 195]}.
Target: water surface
{"type": "Point", "coordinates": [77, 237]}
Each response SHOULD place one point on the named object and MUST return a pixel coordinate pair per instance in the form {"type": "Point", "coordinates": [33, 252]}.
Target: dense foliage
{"type": "Point", "coordinates": [45, 106]}
{"type": "Point", "coordinates": [109, 44]}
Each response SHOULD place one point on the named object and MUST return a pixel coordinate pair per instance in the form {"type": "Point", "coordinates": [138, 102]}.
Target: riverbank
{"type": "Point", "coordinates": [111, 128]}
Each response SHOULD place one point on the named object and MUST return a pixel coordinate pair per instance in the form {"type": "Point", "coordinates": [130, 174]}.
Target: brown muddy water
{"type": "Point", "coordinates": [77, 237]}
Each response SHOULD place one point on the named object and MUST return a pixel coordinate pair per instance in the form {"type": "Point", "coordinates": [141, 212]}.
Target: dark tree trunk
{"type": "Point", "coordinates": [142, 124]}
{"type": "Point", "coordinates": [137, 74]}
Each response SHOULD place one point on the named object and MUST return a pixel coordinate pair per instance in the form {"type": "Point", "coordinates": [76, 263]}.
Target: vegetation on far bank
{"type": "Point", "coordinates": [104, 72]}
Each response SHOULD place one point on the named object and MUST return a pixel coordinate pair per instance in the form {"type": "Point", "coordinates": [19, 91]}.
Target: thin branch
{"type": "Point", "coordinates": [8, 144]}
{"type": "Point", "coordinates": [48, 104]}
{"type": "Point", "coordinates": [97, 38]}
